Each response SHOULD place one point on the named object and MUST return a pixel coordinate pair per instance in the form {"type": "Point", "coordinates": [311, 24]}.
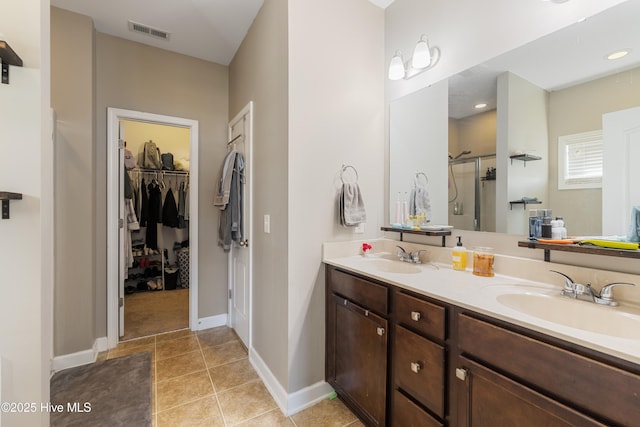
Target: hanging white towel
{"type": "Point", "coordinates": [352, 211]}
{"type": "Point", "coordinates": [419, 202]}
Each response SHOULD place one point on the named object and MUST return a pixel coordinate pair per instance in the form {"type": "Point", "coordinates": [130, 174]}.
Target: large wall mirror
{"type": "Point", "coordinates": [480, 161]}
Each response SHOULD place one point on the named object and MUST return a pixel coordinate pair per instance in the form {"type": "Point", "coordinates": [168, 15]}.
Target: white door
{"type": "Point", "coordinates": [240, 256]}
{"type": "Point", "coordinates": [620, 190]}
{"type": "Point", "coordinates": [122, 223]}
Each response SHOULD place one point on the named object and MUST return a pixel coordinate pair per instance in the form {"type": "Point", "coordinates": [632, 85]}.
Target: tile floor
{"type": "Point", "coordinates": [205, 379]}
{"type": "Point", "coordinates": [148, 313]}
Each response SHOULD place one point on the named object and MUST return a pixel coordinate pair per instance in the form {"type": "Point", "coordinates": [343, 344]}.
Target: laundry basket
{"type": "Point", "coordinates": [182, 256]}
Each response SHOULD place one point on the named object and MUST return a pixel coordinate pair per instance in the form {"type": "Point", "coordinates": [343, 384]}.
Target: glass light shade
{"type": "Point", "coordinates": [396, 67]}
{"type": "Point", "coordinates": [421, 54]}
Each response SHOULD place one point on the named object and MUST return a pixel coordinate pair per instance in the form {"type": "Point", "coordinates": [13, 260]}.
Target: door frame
{"type": "Point", "coordinates": [114, 115]}
{"type": "Point", "coordinates": [247, 111]}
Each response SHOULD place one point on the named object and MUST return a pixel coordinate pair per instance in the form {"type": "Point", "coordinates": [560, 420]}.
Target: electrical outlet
{"type": "Point", "coordinates": [359, 228]}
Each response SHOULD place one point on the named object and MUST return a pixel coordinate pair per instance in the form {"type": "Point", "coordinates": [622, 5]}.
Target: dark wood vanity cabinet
{"type": "Point", "coordinates": [419, 361]}
{"type": "Point", "coordinates": [506, 374]}
{"type": "Point", "coordinates": [397, 358]}
{"type": "Point", "coordinates": [357, 344]}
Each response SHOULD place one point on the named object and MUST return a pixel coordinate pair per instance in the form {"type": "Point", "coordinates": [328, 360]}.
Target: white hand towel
{"type": "Point", "coordinates": [352, 211]}
{"type": "Point", "coordinates": [419, 201]}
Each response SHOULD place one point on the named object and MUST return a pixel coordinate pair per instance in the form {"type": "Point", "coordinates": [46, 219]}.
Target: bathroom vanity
{"type": "Point", "coordinates": [433, 347]}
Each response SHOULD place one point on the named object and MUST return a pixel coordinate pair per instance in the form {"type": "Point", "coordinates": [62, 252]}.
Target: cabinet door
{"type": "Point", "coordinates": [489, 399]}
{"type": "Point", "coordinates": [360, 359]}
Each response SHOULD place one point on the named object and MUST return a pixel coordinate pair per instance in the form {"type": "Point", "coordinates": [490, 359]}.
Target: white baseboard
{"type": "Point", "coordinates": [292, 403]}
{"type": "Point", "coordinates": [101, 344]}
{"type": "Point", "coordinates": [78, 358]}
{"type": "Point", "coordinates": [212, 322]}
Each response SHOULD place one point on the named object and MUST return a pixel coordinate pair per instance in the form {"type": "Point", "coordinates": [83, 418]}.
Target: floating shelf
{"type": "Point", "coordinates": [594, 250]}
{"type": "Point", "coordinates": [6, 196]}
{"type": "Point", "coordinates": [524, 158]}
{"type": "Point", "coordinates": [523, 202]}
{"type": "Point", "coordinates": [440, 233]}
{"type": "Point", "coordinates": [8, 57]}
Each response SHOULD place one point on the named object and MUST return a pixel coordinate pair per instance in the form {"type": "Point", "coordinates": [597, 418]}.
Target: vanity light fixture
{"type": "Point", "coordinates": [618, 54]}
{"type": "Point", "coordinates": [396, 67]}
{"type": "Point", "coordinates": [423, 59]}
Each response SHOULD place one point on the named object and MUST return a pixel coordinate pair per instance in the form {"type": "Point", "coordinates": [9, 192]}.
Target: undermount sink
{"type": "Point", "coordinates": [583, 315]}
{"type": "Point", "coordinates": [388, 266]}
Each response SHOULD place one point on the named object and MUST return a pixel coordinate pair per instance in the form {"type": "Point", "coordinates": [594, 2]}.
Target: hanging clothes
{"type": "Point", "coordinates": [144, 204]}
{"type": "Point", "coordinates": [153, 215]}
{"type": "Point", "coordinates": [229, 199]}
{"type": "Point", "coordinates": [170, 211]}
{"type": "Point", "coordinates": [181, 206]}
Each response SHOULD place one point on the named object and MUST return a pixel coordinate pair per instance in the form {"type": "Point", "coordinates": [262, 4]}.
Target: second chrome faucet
{"type": "Point", "coordinates": [587, 293]}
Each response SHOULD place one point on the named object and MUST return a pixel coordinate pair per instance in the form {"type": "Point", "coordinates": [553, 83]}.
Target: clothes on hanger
{"type": "Point", "coordinates": [169, 211]}
{"type": "Point", "coordinates": [181, 206]}
{"type": "Point", "coordinates": [153, 215]}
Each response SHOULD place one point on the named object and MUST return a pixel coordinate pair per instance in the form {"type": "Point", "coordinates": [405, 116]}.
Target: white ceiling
{"type": "Point", "coordinates": [207, 29]}
{"type": "Point", "coordinates": [573, 55]}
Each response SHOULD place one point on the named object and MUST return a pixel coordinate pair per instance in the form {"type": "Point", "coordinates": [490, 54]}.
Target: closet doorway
{"type": "Point", "coordinates": [152, 239]}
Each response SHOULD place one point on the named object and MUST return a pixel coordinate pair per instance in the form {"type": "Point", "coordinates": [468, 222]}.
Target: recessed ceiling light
{"type": "Point", "coordinates": [479, 106]}
{"type": "Point", "coordinates": [618, 54]}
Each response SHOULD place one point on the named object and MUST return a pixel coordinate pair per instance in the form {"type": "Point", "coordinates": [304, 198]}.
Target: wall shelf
{"type": "Point", "coordinates": [8, 57]}
{"type": "Point", "coordinates": [402, 231]}
{"type": "Point", "coordinates": [583, 249]}
{"type": "Point", "coordinates": [523, 202]}
{"type": "Point", "coordinates": [6, 197]}
{"type": "Point", "coordinates": [524, 158]}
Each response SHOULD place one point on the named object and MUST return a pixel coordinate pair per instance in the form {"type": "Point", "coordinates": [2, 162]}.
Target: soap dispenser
{"type": "Point", "coordinates": [459, 256]}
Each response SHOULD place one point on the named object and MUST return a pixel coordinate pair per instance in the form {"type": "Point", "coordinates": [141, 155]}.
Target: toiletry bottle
{"type": "Point", "coordinates": [459, 256]}
{"type": "Point", "coordinates": [405, 210]}
{"type": "Point", "coordinates": [398, 218]}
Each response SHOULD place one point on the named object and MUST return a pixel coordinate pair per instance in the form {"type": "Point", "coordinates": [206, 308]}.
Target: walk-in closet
{"type": "Point", "coordinates": [156, 244]}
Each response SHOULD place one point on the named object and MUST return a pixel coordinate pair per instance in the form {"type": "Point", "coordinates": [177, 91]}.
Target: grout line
{"type": "Point", "coordinates": [215, 394]}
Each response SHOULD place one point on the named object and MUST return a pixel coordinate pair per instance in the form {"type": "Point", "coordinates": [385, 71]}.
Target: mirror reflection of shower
{"type": "Point", "coordinates": [472, 191]}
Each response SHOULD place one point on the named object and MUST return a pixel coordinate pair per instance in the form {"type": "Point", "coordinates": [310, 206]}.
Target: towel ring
{"type": "Point", "coordinates": [426, 178]}
{"type": "Point", "coordinates": [344, 168]}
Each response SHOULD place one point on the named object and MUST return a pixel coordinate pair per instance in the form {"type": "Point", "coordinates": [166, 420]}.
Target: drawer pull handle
{"type": "Point", "coordinates": [415, 367]}
{"type": "Point", "coordinates": [380, 331]}
{"type": "Point", "coordinates": [415, 315]}
{"type": "Point", "coordinates": [461, 374]}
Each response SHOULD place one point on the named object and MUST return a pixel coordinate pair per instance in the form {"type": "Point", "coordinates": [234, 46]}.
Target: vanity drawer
{"type": "Point", "coordinates": [407, 413]}
{"type": "Point", "coordinates": [421, 315]}
{"type": "Point", "coordinates": [587, 383]}
{"type": "Point", "coordinates": [419, 369]}
{"type": "Point", "coordinates": [368, 294]}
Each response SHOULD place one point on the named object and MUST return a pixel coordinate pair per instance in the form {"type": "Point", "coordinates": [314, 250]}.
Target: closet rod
{"type": "Point", "coordinates": [156, 171]}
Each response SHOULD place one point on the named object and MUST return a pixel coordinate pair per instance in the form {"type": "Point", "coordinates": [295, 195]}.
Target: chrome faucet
{"type": "Point", "coordinates": [587, 293]}
{"type": "Point", "coordinates": [411, 257]}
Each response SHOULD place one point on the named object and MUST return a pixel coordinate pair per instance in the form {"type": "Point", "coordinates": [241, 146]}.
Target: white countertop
{"type": "Point", "coordinates": [463, 289]}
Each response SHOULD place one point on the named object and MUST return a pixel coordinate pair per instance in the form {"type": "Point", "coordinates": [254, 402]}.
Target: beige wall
{"type": "Point", "coordinates": [310, 118]}
{"type": "Point", "coordinates": [476, 133]}
{"type": "Point", "coordinates": [25, 162]}
{"type": "Point", "coordinates": [580, 109]}
{"type": "Point", "coordinates": [137, 77]}
{"type": "Point", "coordinates": [336, 117]}
{"type": "Point", "coordinates": [169, 139]}
{"type": "Point", "coordinates": [73, 99]}
{"type": "Point", "coordinates": [259, 73]}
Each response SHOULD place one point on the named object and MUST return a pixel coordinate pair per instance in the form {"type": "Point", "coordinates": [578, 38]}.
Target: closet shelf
{"type": "Point", "coordinates": [6, 197]}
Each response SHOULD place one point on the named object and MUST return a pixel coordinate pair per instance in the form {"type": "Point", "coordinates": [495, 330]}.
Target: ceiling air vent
{"type": "Point", "coordinates": [149, 31]}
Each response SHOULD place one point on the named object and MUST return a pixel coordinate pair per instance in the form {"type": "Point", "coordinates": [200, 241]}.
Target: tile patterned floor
{"type": "Point", "coordinates": [205, 379]}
